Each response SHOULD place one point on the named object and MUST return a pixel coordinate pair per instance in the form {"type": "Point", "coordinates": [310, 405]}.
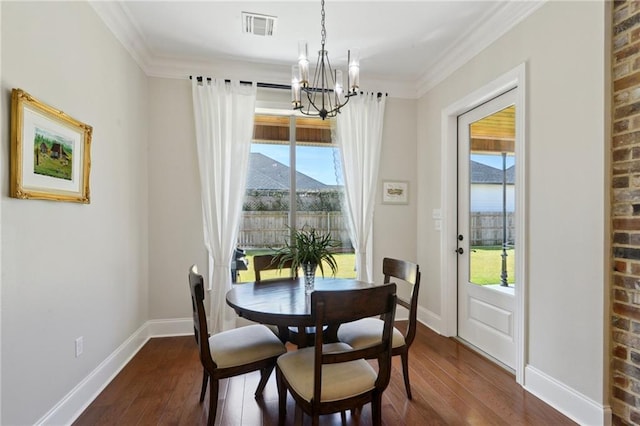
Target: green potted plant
{"type": "Point", "coordinates": [308, 249]}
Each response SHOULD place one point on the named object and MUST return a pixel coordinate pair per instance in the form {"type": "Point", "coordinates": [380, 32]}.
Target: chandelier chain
{"type": "Point", "coordinates": [323, 33]}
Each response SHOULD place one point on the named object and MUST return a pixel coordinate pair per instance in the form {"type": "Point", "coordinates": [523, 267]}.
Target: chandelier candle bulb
{"type": "Point", "coordinates": [354, 71]}
{"type": "Point", "coordinates": [303, 63]}
{"type": "Point", "coordinates": [295, 86]}
{"type": "Point", "coordinates": [338, 78]}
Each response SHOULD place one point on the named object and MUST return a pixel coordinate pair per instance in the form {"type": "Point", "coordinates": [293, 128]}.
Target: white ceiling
{"type": "Point", "coordinates": [405, 47]}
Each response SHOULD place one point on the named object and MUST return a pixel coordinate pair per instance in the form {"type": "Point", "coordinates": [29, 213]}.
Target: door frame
{"type": "Point", "coordinates": [448, 242]}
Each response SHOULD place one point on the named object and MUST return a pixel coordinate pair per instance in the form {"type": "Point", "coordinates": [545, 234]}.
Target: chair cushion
{"type": "Point", "coordinates": [339, 381]}
{"type": "Point", "coordinates": [243, 322]}
{"type": "Point", "coordinates": [366, 332]}
{"type": "Point", "coordinates": [244, 345]}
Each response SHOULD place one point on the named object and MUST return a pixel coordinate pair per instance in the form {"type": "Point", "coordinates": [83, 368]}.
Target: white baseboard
{"type": "Point", "coordinates": [69, 408]}
{"type": "Point", "coordinates": [569, 402]}
{"type": "Point", "coordinates": [170, 327]}
{"type": "Point", "coordinates": [74, 403]}
{"type": "Point", "coordinates": [430, 319]}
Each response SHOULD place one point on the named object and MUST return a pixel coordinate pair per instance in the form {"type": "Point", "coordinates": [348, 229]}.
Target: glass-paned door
{"type": "Point", "coordinates": [486, 195]}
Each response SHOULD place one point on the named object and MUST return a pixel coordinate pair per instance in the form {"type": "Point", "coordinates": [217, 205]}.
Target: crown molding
{"type": "Point", "coordinates": [117, 18]}
{"type": "Point", "coordinates": [170, 67]}
{"type": "Point", "coordinates": [497, 22]}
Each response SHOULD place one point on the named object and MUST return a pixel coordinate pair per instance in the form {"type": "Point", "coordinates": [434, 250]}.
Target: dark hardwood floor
{"type": "Point", "coordinates": [451, 385]}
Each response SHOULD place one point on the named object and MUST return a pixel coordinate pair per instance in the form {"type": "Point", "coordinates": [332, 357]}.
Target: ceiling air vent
{"type": "Point", "coordinates": [254, 23]}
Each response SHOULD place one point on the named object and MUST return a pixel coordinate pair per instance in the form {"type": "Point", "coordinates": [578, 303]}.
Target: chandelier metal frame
{"type": "Point", "coordinates": [325, 95]}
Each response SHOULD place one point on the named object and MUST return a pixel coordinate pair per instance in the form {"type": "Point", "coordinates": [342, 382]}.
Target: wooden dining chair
{"type": "Point", "coordinates": [362, 333]}
{"type": "Point", "coordinates": [334, 377]}
{"type": "Point", "coordinates": [230, 353]}
{"type": "Point", "coordinates": [268, 262]}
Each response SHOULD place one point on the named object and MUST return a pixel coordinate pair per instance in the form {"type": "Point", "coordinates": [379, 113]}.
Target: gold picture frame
{"type": "Point", "coordinates": [50, 152]}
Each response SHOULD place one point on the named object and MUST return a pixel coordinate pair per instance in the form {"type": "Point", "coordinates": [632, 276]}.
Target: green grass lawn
{"type": "Point", "coordinates": [486, 264]}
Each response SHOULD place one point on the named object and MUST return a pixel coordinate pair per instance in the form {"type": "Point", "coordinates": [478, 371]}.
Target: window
{"type": "Point", "coordinates": [309, 162]}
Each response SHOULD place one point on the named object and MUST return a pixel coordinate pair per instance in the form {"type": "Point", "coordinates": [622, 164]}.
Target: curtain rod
{"type": "Point", "coordinates": [263, 85]}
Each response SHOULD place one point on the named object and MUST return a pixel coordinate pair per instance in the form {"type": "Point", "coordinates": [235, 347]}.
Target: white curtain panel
{"type": "Point", "coordinates": [358, 131]}
{"type": "Point", "coordinates": [224, 127]}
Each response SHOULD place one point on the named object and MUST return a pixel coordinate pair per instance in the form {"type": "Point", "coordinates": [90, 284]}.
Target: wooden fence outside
{"type": "Point", "coordinates": [269, 229]}
{"type": "Point", "coordinates": [265, 229]}
{"type": "Point", "coordinates": [486, 228]}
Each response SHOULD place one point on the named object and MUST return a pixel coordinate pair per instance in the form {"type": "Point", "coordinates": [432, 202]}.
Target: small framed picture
{"type": "Point", "coordinates": [395, 192]}
{"type": "Point", "coordinates": [50, 157]}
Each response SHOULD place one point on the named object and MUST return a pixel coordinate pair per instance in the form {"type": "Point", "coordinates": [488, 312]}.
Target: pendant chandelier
{"type": "Point", "coordinates": [325, 95]}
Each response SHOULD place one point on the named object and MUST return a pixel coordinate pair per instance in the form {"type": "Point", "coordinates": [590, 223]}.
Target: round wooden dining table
{"type": "Point", "coordinates": [283, 302]}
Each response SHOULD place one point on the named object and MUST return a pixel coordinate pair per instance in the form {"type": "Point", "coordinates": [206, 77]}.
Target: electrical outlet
{"type": "Point", "coordinates": [79, 346]}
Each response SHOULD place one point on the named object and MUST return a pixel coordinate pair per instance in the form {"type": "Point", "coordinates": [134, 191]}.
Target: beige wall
{"type": "Point", "coordinates": [71, 270]}
{"type": "Point", "coordinates": [175, 215]}
{"type": "Point", "coordinates": [567, 202]}
{"type": "Point", "coordinates": [394, 225]}
{"type": "Point", "coordinates": [176, 232]}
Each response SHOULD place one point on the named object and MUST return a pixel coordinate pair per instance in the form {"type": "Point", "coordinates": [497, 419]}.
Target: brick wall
{"type": "Point", "coordinates": [625, 296]}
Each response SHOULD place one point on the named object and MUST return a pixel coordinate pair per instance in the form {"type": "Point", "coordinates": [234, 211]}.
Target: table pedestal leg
{"type": "Point", "coordinates": [283, 333]}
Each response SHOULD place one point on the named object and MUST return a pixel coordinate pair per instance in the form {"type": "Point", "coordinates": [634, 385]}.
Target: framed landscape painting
{"type": "Point", "coordinates": [50, 152]}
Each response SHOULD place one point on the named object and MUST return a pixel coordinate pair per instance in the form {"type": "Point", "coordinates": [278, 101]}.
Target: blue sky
{"type": "Point", "coordinates": [318, 163]}
{"type": "Point", "coordinates": [493, 160]}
